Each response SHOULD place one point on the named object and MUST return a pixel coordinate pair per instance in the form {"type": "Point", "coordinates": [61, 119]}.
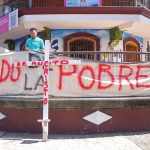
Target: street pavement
{"type": "Point", "coordinates": [118, 141]}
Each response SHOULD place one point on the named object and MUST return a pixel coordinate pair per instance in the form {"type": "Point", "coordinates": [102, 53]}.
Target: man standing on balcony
{"type": "Point", "coordinates": [34, 43]}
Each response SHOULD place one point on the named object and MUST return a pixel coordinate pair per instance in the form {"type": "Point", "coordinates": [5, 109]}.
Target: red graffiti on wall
{"type": "Point", "coordinates": [41, 63]}
{"type": "Point", "coordinates": [89, 69]}
{"type": "Point", "coordinates": [107, 70]}
{"type": "Point", "coordinates": [124, 74]}
{"type": "Point", "coordinates": [143, 76]}
{"type": "Point", "coordinates": [45, 101]}
{"type": "Point", "coordinates": [63, 73]}
{"type": "Point", "coordinates": [8, 71]}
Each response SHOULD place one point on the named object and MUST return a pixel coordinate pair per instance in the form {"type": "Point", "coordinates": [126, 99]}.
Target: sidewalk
{"type": "Point", "coordinates": [119, 141]}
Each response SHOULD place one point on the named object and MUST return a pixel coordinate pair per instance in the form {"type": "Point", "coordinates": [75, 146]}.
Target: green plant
{"type": "Point", "coordinates": [11, 44]}
{"type": "Point", "coordinates": [45, 34]}
{"type": "Point", "coordinates": [115, 36]}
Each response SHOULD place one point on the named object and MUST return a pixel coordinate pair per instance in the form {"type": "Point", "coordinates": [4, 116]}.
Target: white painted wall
{"type": "Point", "coordinates": [145, 44]}
{"type": "Point", "coordinates": [3, 48]}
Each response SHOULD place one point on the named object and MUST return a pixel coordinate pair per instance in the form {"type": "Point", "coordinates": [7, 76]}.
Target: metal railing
{"type": "Point", "coordinates": [48, 3]}
{"type": "Point", "coordinates": [108, 57]}
{"type": "Point", "coordinates": [119, 3]}
{"type": "Point", "coordinates": [11, 5]}
{"type": "Point", "coordinates": [127, 3]}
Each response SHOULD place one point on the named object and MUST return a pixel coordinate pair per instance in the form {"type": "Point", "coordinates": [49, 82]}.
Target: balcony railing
{"type": "Point", "coordinates": [108, 57]}
{"type": "Point", "coordinates": [11, 5]}
{"type": "Point", "coordinates": [48, 3]}
{"type": "Point", "coordinates": [119, 3]}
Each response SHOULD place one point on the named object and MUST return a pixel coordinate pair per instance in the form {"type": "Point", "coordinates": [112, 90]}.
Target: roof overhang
{"type": "Point", "coordinates": [133, 23]}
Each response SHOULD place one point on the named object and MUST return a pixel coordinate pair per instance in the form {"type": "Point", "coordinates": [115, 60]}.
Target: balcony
{"type": "Point", "coordinates": [10, 5]}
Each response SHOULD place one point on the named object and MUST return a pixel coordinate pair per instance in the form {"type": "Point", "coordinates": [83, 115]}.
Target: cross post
{"type": "Point", "coordinates": [45, 121]}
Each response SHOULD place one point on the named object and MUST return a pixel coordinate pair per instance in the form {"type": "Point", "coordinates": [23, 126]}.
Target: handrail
{"type": "Point", "coordinates": [108, 57]}
{"type": "Point", "coordinates": [68, 52]}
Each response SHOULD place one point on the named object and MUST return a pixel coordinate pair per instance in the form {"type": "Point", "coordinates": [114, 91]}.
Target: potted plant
{"type": "Point", "coordinates": [45, 34]}
{"type": "Point", "coordinates": [115, 36]}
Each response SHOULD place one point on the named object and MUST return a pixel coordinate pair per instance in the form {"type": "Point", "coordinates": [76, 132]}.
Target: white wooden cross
{"type": "Point", "coordinates": [46, 63]}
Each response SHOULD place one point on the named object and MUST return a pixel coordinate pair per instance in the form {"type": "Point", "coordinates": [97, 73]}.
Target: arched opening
{"type": "Point", "coordinates": [82, 42]}
{"type": "Point", "coordinates": [132, 46]}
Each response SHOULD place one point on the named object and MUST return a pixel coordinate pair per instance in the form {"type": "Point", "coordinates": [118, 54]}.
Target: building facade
{"type": "Point", "coordinates": [107, 92]}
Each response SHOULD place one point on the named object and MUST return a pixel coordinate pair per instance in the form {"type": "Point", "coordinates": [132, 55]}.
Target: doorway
{"type": "Point", "coordinates": [132, 46]}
